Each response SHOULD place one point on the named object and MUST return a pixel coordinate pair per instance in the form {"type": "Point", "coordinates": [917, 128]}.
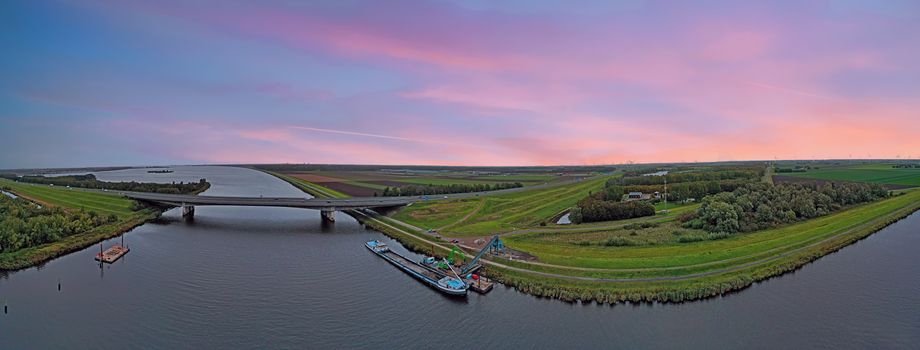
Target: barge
{"type": "Point", "coordinates": [434, 278]}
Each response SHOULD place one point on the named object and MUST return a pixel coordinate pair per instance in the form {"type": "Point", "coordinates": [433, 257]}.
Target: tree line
{"type": "Point", "coordinates": [90, 181]}
{"type": "Point", "coordinates": [752, 173]}
{"type": "Point", "coordinates": [420, 190]}
{"type": "Point", "coordinates": [678, 191]}
{"type": "Point", "coordinates": [593, 209]}
{"type": "Point", "coordinates": [759, 206]}
{"type": "Point", "coordinates": [24, 224]}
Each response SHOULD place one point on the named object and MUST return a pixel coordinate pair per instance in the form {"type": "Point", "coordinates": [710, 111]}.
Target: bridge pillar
{"type": "Point", "coordinates": [188, 211]}
{"type": "Point", "coordinates": [328, 215]}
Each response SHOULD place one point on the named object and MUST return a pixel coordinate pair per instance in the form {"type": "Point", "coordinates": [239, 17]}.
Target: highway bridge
{"type": "Point", "coordinates": [326, 206]}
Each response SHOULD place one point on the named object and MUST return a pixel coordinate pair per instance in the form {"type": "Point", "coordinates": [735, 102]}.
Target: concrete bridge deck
{"type": "Point", "coordinates": [290, 202]}
{"type": "Point", "coordinates": [326, 206]}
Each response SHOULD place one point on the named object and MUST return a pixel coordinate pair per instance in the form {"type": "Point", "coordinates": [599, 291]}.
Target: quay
{"type": "Point", "coordinates": [479, 285]}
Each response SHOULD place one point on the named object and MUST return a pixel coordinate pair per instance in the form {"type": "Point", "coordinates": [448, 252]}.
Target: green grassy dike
{"type": "Point", "coordinates": [770, 253]}
{"type": "Point", "coordinates": [73, 199]}
{"type": "Point", "coordinates": [694, 287]}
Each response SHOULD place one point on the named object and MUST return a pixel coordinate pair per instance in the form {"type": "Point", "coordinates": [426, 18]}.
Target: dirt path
{"type": "Point", "coordinates": [482, 203]}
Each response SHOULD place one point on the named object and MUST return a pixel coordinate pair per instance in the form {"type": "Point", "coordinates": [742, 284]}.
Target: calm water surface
{"type": "Point", "coordinates": [278, 278]}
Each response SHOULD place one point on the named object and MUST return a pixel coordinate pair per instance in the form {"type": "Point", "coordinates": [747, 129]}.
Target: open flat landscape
{"type": "Point", "coordinates": [646, 258]}
{"type": "Point", "coordinates": [879, 173]}
{"type": "Point", "coordinates": [367, 183]}
{"type": "Point", "coordinates": [423, 174]}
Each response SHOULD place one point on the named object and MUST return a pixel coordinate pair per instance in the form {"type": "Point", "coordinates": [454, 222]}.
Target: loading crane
{"type": "Point", "coordinates": [494, 245]}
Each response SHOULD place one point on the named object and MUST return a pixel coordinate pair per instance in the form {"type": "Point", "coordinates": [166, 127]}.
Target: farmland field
{"type": "Point", "coordinates": [369, 183]}
{"type": "Point", "coordinates": [884, 174]}
{"type": "Point", "coordinates": [72, 198]}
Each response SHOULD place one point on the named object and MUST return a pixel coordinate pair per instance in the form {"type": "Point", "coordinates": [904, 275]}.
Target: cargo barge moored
{"type": "Point", "coordinates": [434, 278]}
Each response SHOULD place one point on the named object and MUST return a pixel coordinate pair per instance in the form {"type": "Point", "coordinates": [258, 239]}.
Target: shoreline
{"type": "Point", "coordinates": [575, 289]}
{"type": "Point", "coordinates": [674, 289]}
{"type": "Point", "coordinates": [39, 255]}
{"type": "Point", "coordinates": [35, 256]}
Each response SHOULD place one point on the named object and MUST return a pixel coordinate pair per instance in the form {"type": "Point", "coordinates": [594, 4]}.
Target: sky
{"type": "Point", "coordinates": [481, 82]}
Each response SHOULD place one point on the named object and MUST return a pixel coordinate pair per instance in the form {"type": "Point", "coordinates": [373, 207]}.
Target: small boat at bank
{"type": "Point", "coordinates": [434, 278]}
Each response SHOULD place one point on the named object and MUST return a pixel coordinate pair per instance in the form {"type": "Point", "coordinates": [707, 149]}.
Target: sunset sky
{"type": "Point", "coordinates": [486, 82]}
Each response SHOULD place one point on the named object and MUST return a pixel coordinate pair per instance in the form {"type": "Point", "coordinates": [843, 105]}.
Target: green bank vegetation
{"type": "Point", "coordinates": [47, 222]}
{"type": "Point", "coordinates": [653, 258]}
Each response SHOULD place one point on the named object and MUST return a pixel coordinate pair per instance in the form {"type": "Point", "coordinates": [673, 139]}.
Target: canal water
{"type": "Point", "coordinates": [279, 278]}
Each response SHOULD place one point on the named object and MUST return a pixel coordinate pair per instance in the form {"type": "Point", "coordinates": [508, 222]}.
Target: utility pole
{"type": "Point", "coordinates": [666, 193]}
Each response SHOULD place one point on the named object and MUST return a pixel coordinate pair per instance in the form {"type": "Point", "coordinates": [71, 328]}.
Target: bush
{"type": "Point", "coordinates": [641, 225]}
{"type": "Point", "coordinates": [690, 239]}
{"type": "Point", "coordinates": [618, 242]}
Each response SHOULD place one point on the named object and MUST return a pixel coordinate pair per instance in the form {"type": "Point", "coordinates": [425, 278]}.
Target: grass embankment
{"type": "Point", "coordinates": [678, 272]}
{"type": "Point", "coordinates": [498, 213]}
{"type": "Point", "coordinates": [872, 173]}
{"type": "Point", "coordinates": [73, 199]}
{"type": "Point", "coordinates": [663, 269]}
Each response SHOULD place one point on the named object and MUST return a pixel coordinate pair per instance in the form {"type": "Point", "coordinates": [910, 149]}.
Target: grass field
{"type": "Point", "coordinates": [498, 213]}
{"type": "Point", "coordinates": [73, 199]}
{"type": "Point", "coordinates": [366, 183]}
{"type": "Point", "coordinates": [683, 258]}
{"type": "Point", "coordinates": [871, 173]}
{"type": "Point", "coordinates": [626, 260]}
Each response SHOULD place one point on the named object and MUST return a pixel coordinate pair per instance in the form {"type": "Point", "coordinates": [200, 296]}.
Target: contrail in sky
{"type": "Point", "coordinates": [353, 133]}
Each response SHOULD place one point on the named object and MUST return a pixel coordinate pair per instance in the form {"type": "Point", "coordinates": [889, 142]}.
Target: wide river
{"type": "Point", "coordinates": [278, 278]}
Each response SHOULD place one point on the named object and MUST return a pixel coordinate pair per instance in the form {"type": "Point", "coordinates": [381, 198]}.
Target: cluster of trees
{"type": "Point", "coordinates": [90, 181]}
{"type": "Point", "coordinates": [677, 191]}
{"type": "Point", "coordinates": [905, 166]}
{"type": "Point", "coordinates": [419, 190]}
{"type": "Point", "coordinates": [24, 224]}
{"type": "Point", "coordinates": [594, 208]}
{"type": "Point", "coordinates": [759, 205]}
{"type": "Point", "coordinates": [752, 173]}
